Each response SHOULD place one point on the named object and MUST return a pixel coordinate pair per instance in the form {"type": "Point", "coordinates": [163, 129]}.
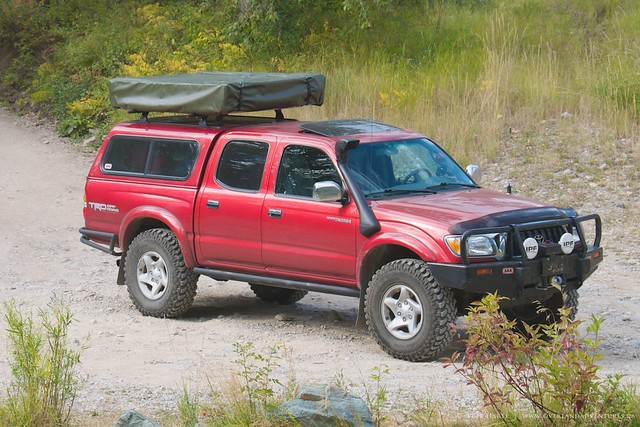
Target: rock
{"type": "Point", "coordinates": [132, 418]}
{"type": "Point", "coordinates": [89, 140]}
{"type": "Point", "coordinates": [334, 316]}
{"type": "Point", "coordinates": [284, 318]}
{"type": "Point", "coordinates": [324, 405]}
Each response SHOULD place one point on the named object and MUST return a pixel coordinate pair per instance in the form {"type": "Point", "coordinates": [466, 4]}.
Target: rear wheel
{"type": "Point", "coordinates": [409, 313]}
{"type": "Point", "coordinates": [158, 281]}
{"type": "Point", "coordinates": [281, 296]}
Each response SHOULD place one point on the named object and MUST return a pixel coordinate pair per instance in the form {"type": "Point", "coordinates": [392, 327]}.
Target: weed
{"type": "Point", "coordinates": [188, 408]}
{"type": "Point", "coordinates": [44, 371]}
{"type": "Point", "coordinates": [255, 374]}
{"type": "Point", "coordinates": [376, 396]}
{"type": "Point", "coordinates": [551, 370]}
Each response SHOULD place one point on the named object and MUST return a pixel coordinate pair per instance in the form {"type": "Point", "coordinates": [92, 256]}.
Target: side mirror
{"type": "Point", "coordinates": [327, 191]}
{"type": "Point", "coordinates": [474, 172]}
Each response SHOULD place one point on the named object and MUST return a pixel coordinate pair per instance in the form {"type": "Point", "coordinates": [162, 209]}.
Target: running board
{"type": "Point", "coordinates": [278, 283]}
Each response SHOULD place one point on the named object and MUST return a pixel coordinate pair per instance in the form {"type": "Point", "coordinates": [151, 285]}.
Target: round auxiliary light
{"type": "Point", "coordinates": [530, 247]}
{"type": "Point", "coordinates": [567, 242]}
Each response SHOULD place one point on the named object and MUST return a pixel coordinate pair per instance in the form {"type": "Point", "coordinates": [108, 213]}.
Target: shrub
{"type": "Point", "coordinates": [549, 373]}
{"type": "Point", "coordinates": [44, 371]}
{"type": "Point", "coordinates": [249, 397]}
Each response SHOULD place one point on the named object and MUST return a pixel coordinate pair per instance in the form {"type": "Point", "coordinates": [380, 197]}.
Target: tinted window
{"type": "Point", "coordinates": [242, 165]}
{"type": "Point", "coordinates": [126, 154]}
{"type": "Point", "coordinates": [412, 164]}
{"type": "Point", "coordinates": [162, 158]}
{"type": "Point", "coordinates": [301, 167]}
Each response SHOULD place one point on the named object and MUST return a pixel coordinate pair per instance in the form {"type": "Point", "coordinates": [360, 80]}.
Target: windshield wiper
{"type": "Point", "coordinates": [446, 184]}
{"type": "Point", "coordinates": [392, 191]}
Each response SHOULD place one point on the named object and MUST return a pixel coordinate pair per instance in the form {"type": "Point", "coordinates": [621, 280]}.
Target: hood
{"type": "Point", "coordinates": [453, 212]}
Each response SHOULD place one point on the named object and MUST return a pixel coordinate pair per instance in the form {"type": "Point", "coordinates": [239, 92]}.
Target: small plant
{"type": "Point", "coordinates": [376, 396]}
{"type": "Point", "coordinates": [249, 397]}
{"type": "Point", "coordinates": [255, 374]}
{"type": "Point", "coordinates": [188, 408]}
{"type": "Point", "coordinates": [549, 369]}
{"type": "Point", "coordinates": [44, 368]}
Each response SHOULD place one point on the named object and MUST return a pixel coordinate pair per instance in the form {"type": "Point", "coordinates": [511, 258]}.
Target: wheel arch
{"type": "Point", "coordinates": [148, 217]}
{"type": "Point", "coordinates": [387, 249]}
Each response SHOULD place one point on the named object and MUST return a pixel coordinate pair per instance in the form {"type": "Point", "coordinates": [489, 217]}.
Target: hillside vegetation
{"type": "Point", "coordinates": [464, 72]}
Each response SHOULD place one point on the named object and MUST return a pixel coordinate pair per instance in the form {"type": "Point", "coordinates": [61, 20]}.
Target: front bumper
{"type": "Point", "coordinates": [518, 275]}
{"type": "Point", "coordinates": [511, 278]}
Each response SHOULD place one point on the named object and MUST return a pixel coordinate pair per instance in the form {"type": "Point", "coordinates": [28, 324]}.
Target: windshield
{"type": "Point", "coordinates": [405, 166]}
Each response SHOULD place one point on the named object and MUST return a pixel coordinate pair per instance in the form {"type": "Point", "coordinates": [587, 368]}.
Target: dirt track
{"type": "Point", "coordinates": [143, 363]}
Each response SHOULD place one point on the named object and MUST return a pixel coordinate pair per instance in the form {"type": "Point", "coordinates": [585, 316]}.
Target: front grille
{"type": "Point", "coordinates": [552, 234]}
{"type": "Point", "coordinates": [542, 235]}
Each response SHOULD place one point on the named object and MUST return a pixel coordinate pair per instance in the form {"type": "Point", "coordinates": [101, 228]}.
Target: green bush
{"type": "Point", "coordinates": [44, 368]}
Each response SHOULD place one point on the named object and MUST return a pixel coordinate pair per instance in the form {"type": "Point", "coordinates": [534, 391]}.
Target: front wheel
{"type": "Point", "coordinates": [159, 282]}
{"type": "Point", "coordinates": [409, 313]}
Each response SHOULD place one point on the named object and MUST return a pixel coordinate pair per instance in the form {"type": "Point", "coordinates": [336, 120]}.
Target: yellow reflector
{"type": "Point", "coordinates": [484, 271]}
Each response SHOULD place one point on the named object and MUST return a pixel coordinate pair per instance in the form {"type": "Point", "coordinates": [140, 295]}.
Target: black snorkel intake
{"type": "Point", "coordinates": [369, 224]}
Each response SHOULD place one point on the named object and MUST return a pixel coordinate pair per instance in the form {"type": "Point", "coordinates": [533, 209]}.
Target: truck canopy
{"type": "Point", "coordinates": [216, 93]}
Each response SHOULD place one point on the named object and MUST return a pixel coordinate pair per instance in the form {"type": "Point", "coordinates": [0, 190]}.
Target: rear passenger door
{"type": "Point", "coordinates": [301, 236]}
{"type": "Point", "coordinates": [230, 204]}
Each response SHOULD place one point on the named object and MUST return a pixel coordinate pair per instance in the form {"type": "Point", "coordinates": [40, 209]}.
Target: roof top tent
{"type": "Point", "coordinates": [217, 93]}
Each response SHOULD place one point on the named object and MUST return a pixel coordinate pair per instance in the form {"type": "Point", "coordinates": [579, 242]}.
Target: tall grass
{"type": "Point", "coordinates": [514, 77]}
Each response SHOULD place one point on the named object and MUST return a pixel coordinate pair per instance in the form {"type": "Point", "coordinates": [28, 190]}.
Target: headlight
{"type": "Point", "coordinates": [480, 245]}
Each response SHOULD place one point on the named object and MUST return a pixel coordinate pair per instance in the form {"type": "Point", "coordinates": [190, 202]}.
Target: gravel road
{"type": "Point", "coordinates": [141, 362]}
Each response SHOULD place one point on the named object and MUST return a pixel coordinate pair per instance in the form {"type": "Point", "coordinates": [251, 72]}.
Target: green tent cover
{"type": "Point", "coordinates": [215, 93]}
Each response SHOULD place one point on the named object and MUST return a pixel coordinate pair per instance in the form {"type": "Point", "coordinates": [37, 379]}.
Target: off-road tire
{"type": "Point", "coordinates": [159, 283]}
{"type": "Point", "coordinates": [280, 296]}
{"type": "Point", "coordinates": [545, 313]}
{"type": "Point", "coordinates": [408, 283]}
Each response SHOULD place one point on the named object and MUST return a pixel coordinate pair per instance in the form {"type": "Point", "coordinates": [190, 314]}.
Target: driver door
{"type": "Point", "coordinates": [303, 236]}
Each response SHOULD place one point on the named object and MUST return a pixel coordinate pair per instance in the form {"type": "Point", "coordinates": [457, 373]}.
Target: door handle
{"type": "Point", "coordinates": [274, 213]}
{"type": "Point", "coordinates": [213, 204]}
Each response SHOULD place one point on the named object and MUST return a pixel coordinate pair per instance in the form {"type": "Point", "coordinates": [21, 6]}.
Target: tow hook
{"type": "Point", "coordinates": [553, 282]}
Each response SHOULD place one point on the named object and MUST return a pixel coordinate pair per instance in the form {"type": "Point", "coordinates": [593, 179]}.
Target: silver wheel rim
{"type": "Point", "coordinates": [401, 312]}
{"type": "Point", "coordinates": [152, 275]}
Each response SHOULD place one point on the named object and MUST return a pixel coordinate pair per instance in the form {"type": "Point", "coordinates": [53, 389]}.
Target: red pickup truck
{"type": "Point", "coordinates": [348, 207]}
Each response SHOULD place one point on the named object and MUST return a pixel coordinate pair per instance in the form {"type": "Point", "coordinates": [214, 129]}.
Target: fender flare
{"type": "Point", "coordinates": [142, 213]}
{"type": "Point", "coordinates": [426, 249]}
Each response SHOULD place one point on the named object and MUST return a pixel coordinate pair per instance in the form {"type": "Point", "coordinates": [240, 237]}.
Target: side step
{"type": "Point", "coordinates": [278, 283]}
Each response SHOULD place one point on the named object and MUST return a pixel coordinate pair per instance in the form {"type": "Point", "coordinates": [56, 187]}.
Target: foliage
{"type": "Point", "coordinates": [44, 369]}
{"type": "Point", "coordinates": [376, 396]}
{"type": "Point", "coordinates": [188, 408]}
{"type": "Point", "coordinates": [248, 397]}
{"type": "Point", "coordinates": [255, 374]}
{"type": "Point", "coordinates": [464, 72]}
{"type": "Point", "coordinates": [550, 372]}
